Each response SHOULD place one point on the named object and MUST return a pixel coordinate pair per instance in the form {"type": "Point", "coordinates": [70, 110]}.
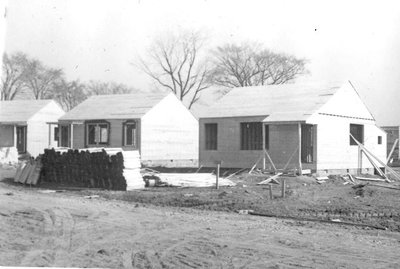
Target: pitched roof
{"type": "Point", "coordinates": [286, 102]}
{"type": "Point", "coordinates": [119, 106]}
{"type": "Point", "coordinates": [20, 110]}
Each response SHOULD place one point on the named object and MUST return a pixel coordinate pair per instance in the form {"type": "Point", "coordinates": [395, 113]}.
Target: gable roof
{"type": "Point", "coordinates": [286, 102]}
{"type": "Point", "coordinates": [118, 106]}
{"type": "Point", "coordinates": [20, 110]}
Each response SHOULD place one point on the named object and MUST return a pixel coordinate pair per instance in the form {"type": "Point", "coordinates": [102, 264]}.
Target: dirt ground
{"type": "Point", "coordinates": [66, 229]}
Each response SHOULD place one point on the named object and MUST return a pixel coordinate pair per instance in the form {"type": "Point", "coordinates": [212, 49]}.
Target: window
{"type": "Point", "coordinates": [211, 130]}
{"type": "Point", "coordinates": [379, 140]}
{"type": "Point", "coordinates": [97, 133]}
{"type": "Point", "coordinates": [56, 134]}
{"type": "Point", "coordinates": [251, 136]}
{"type": "Point", "coordinates": [357, 131]}
{"type": "Point", "coordinates": [130, 134]}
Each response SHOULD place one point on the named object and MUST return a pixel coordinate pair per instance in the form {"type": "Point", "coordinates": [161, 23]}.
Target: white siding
{"type": "Point", "coordinates": [333, 143]}
{"type": "Point", "coordinates": [38, 129]}
{"type": "Point", "coordinates": [346, 102]}
{"type": "Point", "coordinates": [169, 132]}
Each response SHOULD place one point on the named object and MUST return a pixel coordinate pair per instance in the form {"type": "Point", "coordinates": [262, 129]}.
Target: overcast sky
{"type": "Point", "coordinates": [343, 40]}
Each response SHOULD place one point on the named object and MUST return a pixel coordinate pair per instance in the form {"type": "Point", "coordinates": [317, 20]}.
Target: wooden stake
{"type": "Point", "coordinates": [217, 177]}
{"type": "Point", "coordinates": [270, 192]}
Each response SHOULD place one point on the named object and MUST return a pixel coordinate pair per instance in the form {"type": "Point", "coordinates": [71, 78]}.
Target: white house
{"type": "Point", "coordinates": [23, 124]}
{"type": "Point", "coordinates": [157, 125]}
{"type": "Point", "coordinates": [300, 126]}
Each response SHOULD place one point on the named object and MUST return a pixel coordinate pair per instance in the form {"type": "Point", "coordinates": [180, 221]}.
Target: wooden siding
{"type": "Point", "coordinates": [334, 147]}
{"type": "Point", "coordinates": [228, 150]}
{"type": "Point", "coordinates": [169, 132]}
{"type": "Point", "coordinates": [38, 129]}
{"type": "Point", "coordinates": [115, 135]}
{"type": "Point", "coordinates": [6, 135]}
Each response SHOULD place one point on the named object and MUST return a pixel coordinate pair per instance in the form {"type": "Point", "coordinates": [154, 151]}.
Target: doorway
{"type": "Point", "coordinates": [21, 139]}
{"type": "Point", "coordinates": [64, 136]}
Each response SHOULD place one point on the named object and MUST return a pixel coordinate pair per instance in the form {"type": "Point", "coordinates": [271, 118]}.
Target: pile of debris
{"type": "Point", "coordinates": [155, 179]}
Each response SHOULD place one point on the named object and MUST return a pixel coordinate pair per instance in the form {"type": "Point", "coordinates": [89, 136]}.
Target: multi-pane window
{"type": "Point", "coordinates": [211, 130]}
{"type": "Point", "coordinates": [97, 133]}
{"type": "Point", "coordinates": [357, 131]}
{"type": "Point", "coordinates": [251, 136]}
{"type": "Point", "coordinates": [130, 134]}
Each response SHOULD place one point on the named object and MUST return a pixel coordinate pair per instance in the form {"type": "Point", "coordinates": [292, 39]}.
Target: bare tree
{"type": "Point", "coordinates": [41, 79]}
{"type": "Point", "coordinates": [99, 88]}
{"type": "Point", "coordinates": [174, 63]}
{"type": "Point", "coordinates": [14, 69]}
{"type": "Point", "coordinates": [69, 94]}
{"type": "Point", "coordinates": [251, 65]}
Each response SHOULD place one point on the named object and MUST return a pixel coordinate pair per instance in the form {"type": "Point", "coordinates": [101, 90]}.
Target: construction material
{"type": "Point", "coordinates": [377, 168]}
{"type": "Point", "coordinates": [270, 180]}
{"type": "Point", "coordinates": [235, 173]}
{"type": "Point", "coordinates": [8, 155]}
{"type": "Point", "coordinates": [370, 179]}
{"type": "Point", "coordinates": [397, 176]}
{"type": "Point", "coordinates": [351, 178]}
{"type": "Point", "coordinates": [217, 177]}
{"type": "Point", "coordinates": [270, 160]}
{"type": "Point", "coordinates": [191, 180]}
{"type": "Point", "coordinates": [317, 220]}
{"type": "Point", "coordinates": [108, 168]}
{"type": "Point", "coordinates": [389, 157]}
{"type": "Point", "coordinates": [283, 188]}
{"type": "Point", "coordinates": [290, 158]}
{"type": "Point", "coordinates": [306, 171]}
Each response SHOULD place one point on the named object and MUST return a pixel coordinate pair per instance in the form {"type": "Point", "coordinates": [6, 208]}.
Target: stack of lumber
{"type": "Point", "coordinates": [192, 180]}
{"type": "Point", "coordinates": [131, 172]}
{"type": "Point", "coordinates": [28, 172]}
{"type": "Point", "coordinates": [8, 155]}
{"type": "Point", "coordinates": [93, 167]}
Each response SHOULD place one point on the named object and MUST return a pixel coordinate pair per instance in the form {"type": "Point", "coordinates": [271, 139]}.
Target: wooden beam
{"type": "Point", "coordinates": [270, 160]}
{"type": "Point", "coordinates": [377, 159]}
{"type": "Point", "coordinates": [391, 151]}
{"type": "Point", "coordinates": [72, 136]}
{"type": "Point", "coordinates": [378, 169]}
{"type": "Point", "coordinates": [290, 158]}
{"type": "Point", "coordinates": [300, 166]}
{"type": "Point", "coordinates": [359, 161]}
{"type": "Point", "coordinates": [264, 146]}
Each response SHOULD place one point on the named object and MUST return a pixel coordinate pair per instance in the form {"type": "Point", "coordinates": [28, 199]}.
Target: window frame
{"type": "Point", "coordinates": [254, 132]}
{"type": "Point", "coordinates": [211, 136]}
{"type": "Point", "coordinates": [135, 141]}
{"type": "Point", "coordinates": [359, 133]}
{"type": "Point", "coordinates": [99, 135]}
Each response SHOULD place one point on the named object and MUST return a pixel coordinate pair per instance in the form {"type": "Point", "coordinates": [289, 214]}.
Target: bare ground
{"type": "Point", "coordinates": [65, 229]}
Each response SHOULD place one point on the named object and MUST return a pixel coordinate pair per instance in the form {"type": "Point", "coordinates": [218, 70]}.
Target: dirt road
{"type": "Point", "coordinates": [61, 229]}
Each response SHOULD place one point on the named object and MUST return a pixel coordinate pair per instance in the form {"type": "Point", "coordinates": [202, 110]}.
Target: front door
{"type": "Point", "coordinates": [21, 139]}
{"type": "Point", "coordinates": [64, 136]}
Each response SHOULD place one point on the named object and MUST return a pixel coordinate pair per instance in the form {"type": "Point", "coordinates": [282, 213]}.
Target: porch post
{"type": "Point", "coordinates": [15, 135]}
{"type": "Point", "coordinates": [49, 135]}
{"type": "Point", "coordinates": [300, 166]}
{"type": "Point", "coordinates": [72, 135]}
{"type": "Point", "coordinates": [263, 143]}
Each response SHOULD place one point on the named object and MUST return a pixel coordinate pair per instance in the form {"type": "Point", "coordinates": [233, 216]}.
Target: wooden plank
{"type": "Point", "coordinates": [270, 160]}
{"type": "Point", "coordinates": [378, 169]}
{"type": "Point", "coordinates": [270, 179]}
{"type": "Point", "coordinates": [377, 159]}
{"type": "Point", "coordinates": [392, 150]}
{"type": "Point", "coordinates": [300, 166]}
{"type": "Point", "coordinates": [370, 179]}
{"type": "Point", "coordinates": [254, 166]}
{"type": "Point", "coordinates": [290, 158]}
